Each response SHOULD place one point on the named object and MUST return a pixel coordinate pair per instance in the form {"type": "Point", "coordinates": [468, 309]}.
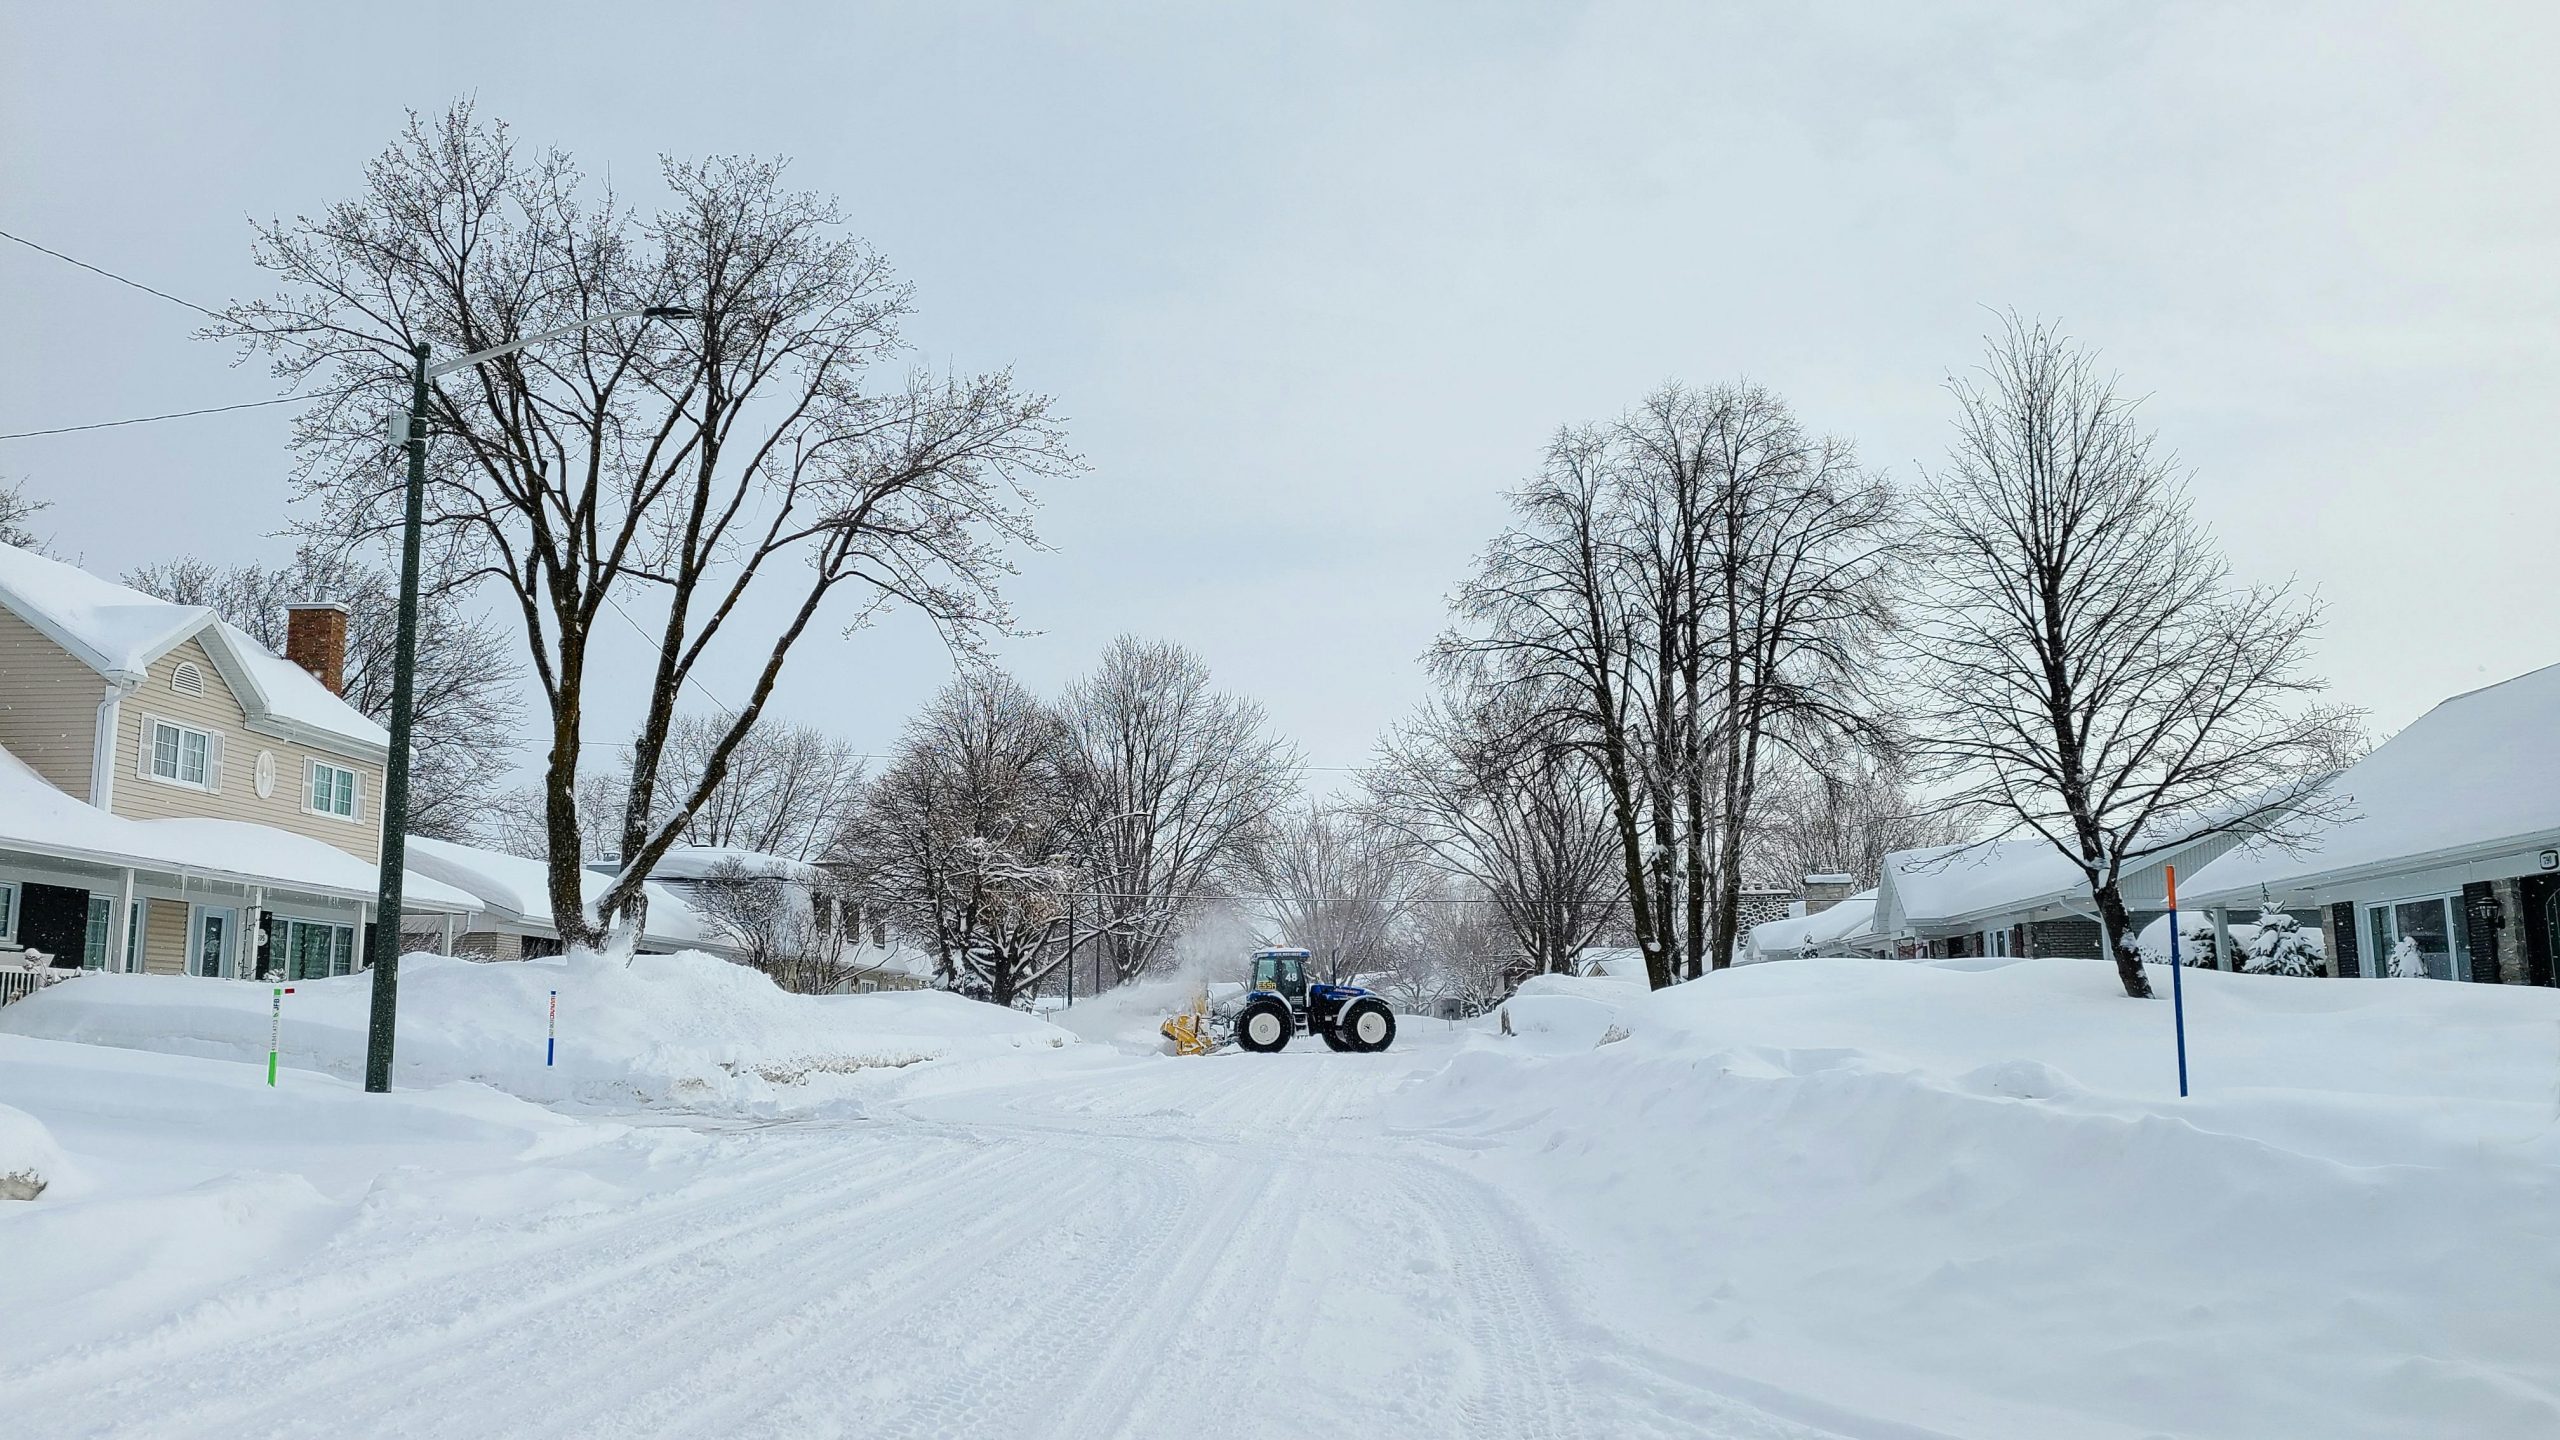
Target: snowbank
{"type": "Point", "coordinates": [1972, 1198]}
{"type": "Point", "coordinates": [30, 1163]}
{"type": "Point", "coordinates": [684, 1029]}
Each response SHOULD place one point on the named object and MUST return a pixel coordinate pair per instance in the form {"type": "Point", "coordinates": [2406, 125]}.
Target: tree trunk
{"type": "Point", "coordinates": [2117, 927]}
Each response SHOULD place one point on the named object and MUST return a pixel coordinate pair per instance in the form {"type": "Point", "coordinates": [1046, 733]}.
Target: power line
{"type": "Point", "coordinates": [182, 303]}
{"type": "Point", "coordinates": [111, 275]}
{"type": "Point", "coordinates": [149, 419]}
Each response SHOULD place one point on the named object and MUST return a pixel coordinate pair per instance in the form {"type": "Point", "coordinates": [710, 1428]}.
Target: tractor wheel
{"type": "Point", "coordinates": [1337, 1033]}
{"type": "Point", "coordinates": [1367, 1025]}
{"type": "Point", "coordinates": [1264, 1027]}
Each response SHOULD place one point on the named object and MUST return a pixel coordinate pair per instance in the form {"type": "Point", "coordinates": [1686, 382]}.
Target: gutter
{"type": "Point", "coordinates": [102, 741]}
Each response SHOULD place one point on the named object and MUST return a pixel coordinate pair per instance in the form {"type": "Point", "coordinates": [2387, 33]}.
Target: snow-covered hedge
{"type": "Point", "coordinates": [686, 1029]}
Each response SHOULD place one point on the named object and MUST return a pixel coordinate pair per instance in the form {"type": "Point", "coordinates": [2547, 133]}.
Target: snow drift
{"type": "Point", "coordinates": [30, 1163]}
{"type": "Point", "coordinates": [686, 1029]}
{"type": "Point", "coordinates": [1973, 1199]}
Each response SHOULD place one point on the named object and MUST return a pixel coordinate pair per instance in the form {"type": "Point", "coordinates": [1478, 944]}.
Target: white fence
{"type": "Point", "coordinates": [17, 983]}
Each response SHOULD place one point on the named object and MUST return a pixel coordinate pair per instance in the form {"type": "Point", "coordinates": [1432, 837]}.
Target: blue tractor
{"type": "Point", "coordinates": [1281, 1002]}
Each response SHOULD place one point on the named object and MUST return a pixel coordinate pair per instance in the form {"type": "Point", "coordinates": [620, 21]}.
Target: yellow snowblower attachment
{"type": "Point", "coordinates": [1188, 1028]}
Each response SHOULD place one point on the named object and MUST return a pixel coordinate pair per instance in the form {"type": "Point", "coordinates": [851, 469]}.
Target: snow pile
{"type": "Point", "coordinates": [30, 1163]}
{"type": "Point", "coordinates": [1972, 1199]}
{"type": "Point", "coordinates": [685, 1029]}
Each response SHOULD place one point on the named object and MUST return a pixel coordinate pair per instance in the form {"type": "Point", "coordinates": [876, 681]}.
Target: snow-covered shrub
{"type": "Point", "coordinates": [2406, 962]}
{"type": "Point", "coordinates": [2281, 947]}
{"type": "Point", "coordinates": [2196, 946]}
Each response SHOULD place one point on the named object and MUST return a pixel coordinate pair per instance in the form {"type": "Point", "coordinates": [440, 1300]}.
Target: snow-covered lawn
{"type": "Point", "coordinates": [1818, 1198]}
{"type": "Point", "coordinates": [1972, 1197]}
{"type": "Point", "coordinates": [687, 1029]}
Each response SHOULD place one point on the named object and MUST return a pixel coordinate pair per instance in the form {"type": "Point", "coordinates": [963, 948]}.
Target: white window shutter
{"type": "Point", "coordinates": [213, 762]}
{"type": "Point", "coordinates": [310, 784]}
{"type": "Point", "coordinates": [142, 748]}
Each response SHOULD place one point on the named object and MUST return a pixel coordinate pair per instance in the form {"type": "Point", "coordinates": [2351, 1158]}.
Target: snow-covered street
{"type": "Point", "coordinates": [1092, 1246]}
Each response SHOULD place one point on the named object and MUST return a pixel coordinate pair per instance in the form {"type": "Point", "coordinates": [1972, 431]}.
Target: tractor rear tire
{"type": "Point", "coordinates": [1265, 1027]}
{"type": "Point", "coordinates": [1367, 1025]}
{"type": "Point", "coordinates": [1337, 1034]}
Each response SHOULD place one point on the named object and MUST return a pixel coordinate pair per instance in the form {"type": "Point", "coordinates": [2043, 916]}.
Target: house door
{"type": "Point", "coordinates": [210, 941]}
{"type": "Point", "coordinates": [2541, 897]}
{"type": "Point", "coordinates": [55, 920]}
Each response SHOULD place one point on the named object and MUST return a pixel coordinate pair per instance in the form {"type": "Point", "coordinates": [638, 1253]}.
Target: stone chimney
{"type": "Point", "coordinates": [1821, 892]}
{"type": "Point", "coordinates": [315, 638]}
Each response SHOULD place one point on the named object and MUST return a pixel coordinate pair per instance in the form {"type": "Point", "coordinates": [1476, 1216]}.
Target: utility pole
{"type": "Point", "coordinates": [395, 771]}
{"type": "Point", "coordinates": [384, 1020]}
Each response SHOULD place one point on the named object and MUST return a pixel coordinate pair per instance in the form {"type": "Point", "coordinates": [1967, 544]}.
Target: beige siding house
{"type": "Point", "coordinates": [176, 798]}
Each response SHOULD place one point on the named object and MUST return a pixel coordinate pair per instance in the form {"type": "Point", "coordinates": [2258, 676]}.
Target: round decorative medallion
{"type": "Point", "coordinates": [266, 774]}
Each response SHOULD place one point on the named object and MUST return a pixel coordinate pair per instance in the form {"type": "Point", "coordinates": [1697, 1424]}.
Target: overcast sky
{"type": "Point", "coordinates": [1313, 288]}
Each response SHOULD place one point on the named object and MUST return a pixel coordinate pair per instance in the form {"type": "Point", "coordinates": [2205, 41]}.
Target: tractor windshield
{"type": "Point", "coordinates": [1284, 973]}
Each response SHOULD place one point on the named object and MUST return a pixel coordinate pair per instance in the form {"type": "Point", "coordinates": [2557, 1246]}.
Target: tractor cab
{"type": "Point", "coordinates": [1284, 971]}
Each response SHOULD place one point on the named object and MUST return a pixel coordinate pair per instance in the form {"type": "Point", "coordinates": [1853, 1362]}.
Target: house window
{"type": "Point", "coordinates": [2430, 931]}
{"type": "Point", "coordinates": [93, 944]}
{"type": "Point", "coordinates": [187, 679]}
{"type": "Point", "coordinates": [316, 949]}
{"type": "Point", "coordinates": [8, 912]}
{"type": "Point", "coordinates": [331, 790]}
{"type": "Point", "coordinates": [182, 754]}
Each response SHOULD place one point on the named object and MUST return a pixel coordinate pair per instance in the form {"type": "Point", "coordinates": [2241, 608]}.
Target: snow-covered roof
{"type": "Point", "coordinates": [517, 891]}
{"type": "Point", "coordinates": [700, 862]}
{"type": "Point", "coordinates": [1800, 934]}
{"type": "Point", "coordinates": [1953, 887]}
{"type": "Point", "coordinates": [119, 631]}
{"type": "Point", "coordinates": [2473, 777]}
{"type": "Point", "coordinates": [40, 819]}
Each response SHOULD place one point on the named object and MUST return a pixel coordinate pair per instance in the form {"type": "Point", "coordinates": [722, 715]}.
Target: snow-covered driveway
{"type": "Point", "coordinates": [1116, 1246]}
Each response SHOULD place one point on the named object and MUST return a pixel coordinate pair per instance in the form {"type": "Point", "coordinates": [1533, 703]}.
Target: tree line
{"type": "Point", "coordinates": [1711, 646]}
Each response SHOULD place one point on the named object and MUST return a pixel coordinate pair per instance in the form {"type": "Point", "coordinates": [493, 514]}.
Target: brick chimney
{"type": "Point", "coordinates": [1821, 892]}
{"type": "Point", "coordinates": [315, 638]}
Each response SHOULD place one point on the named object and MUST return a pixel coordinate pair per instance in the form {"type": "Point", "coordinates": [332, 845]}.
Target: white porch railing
{"type": "Point", "coordinates": [19, 982]}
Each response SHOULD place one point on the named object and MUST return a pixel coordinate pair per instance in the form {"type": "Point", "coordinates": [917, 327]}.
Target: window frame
{"type": "Point", "coordinates": [208, 758]}
{"type": "Point", "coordinates": [2458, 958]}
{"type": "Point", "coordinates": [9, 910]}
{"type": "Point", "coordinates": [348, 779]}
{"type": "Point", "coordinates": [337, 945]}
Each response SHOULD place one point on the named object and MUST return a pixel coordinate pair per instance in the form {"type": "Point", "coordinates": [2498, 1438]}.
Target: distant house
{"type": "Point", "coordinates": [510, 917]}
{"type": "Point", "coordinates": [175, 798]}
{"type": "Point", "coordinates": [1844, 927]}
{"type": "Point", "coordinates": [2453, 849]}
{"type": "Point", "coordinates": [2016, 896]}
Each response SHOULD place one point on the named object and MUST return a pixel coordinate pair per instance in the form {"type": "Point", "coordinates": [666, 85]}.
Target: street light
{"type": "Point", "coordinates": [395, 778]}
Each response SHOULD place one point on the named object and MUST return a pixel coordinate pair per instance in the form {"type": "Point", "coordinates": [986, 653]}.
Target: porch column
{"type": "Point", "coordinates": [253, 929]}
{"type": "Point", "coordinates": [2222, 958]}
{"type": "Point", "coordinates": [2514, 964]}
{"type": "Point", "coordinates": [120, 956]}
{"type": "Point", "coordinates": [448, 936]}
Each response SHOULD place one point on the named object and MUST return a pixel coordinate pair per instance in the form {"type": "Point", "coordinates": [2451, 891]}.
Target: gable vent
{"type": "Point", "coordinates": [187, 679]}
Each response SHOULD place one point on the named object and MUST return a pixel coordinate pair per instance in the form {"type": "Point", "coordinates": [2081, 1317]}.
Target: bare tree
{"type": "Point", "coordinates": [1547, 618]}
{"type": "Point", "coordinates": [792, 928]}
{"type": "Point", "coordinates": [1339, 883]}
{"type": "Point", "coordinates": [737, 475]}
{"type": "Point", "coordinates": [519, 822]}
{"type": "Point", "coordinates": [1174, 786]}
{"type": "Point", "coordinates": [788, 790]}
{"type": "Point", "coordinates": [1522, 821]}
{"type": "Point", "coordinates": [2089, 672]}
{"type": "Point", "coordinates": [1844, 814]}
{"type": "Point", "coordinates": [963, 839]}
{"type": "Point", "coordinates": [467, 708]}
{"type": "Point", "coordinates": [17, 511]}
{"type": "Point", "coordinates": [1452, 946]}
{"type": "Point", "coordinates": [1684, 592]}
